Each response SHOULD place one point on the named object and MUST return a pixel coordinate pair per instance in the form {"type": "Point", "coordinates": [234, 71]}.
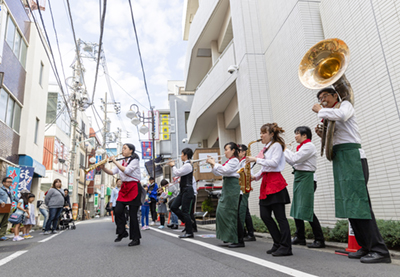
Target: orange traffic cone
{"type": "Point", "coordinates": [112, 216]}
{"type": "Point", "coordinates": [352, 245]}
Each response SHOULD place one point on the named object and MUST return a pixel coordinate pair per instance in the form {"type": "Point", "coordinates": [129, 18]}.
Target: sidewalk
{"type": "Point", "coordinates": [329, 244]}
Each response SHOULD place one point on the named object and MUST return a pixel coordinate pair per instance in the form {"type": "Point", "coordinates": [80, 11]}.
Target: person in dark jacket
{"type": "Point", "coordinates": [55, 201]}
{"type": "Point", "coordinates": [153, 187]}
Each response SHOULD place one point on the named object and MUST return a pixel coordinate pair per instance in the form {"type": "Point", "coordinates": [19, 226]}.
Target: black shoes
{"type": "Point", "coordinates": [374, 258]}
{"type": "Point", "coordinates": [174, 226]}
{"type": "Point", "coordinates": [134, 242]}
{"type": "Point", "coordinates": [186, 236]}
{"type": "Point", "coordinates": [194, 230]}
{"type": "Point", "coordinates": [249, 238]}
{"type": "Point", "coordinates": [317, 244]}
{"type": "Point", "coordinates": [282, 252]}
{"type": "Point", "coordinates": [184, 230]}
{"type": "Point", "coordinates": [120, 237]}
{"type": "Point", "coordinates": [236, 245]}
{"type": "Point", "coordinates": [359, 254]}
{"type": "Point", "coordinates": [273, 249]}
{"type": "Point", "coordinates": [298, 241]}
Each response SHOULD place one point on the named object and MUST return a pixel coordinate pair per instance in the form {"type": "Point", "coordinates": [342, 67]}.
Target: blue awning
{"type": "Point", "coordinates": [39, 169]}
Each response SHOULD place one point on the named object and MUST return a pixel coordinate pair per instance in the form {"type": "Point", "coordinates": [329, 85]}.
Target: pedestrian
{"type": "Point", "coordinates": [6, 197]}
{"type": "Point", "coordinates": [114, 196]}
{"type": "Point", "coordinates": [55, 200]}
{"type": "Point", "coordinates": [229, 227]}
{"type": "Point", "coordinates": [186, 193]}
{"type": "Point", "coordinates": [67, 199]}
{"type": "Point", "coordinates": [22, 208]}
{"type": "Point", "coordinates": [273, 192]}
{"type": "Point", "coordinates": [304, 163]}
{"type": "Point", "coordinates": [30, 220]}
{"type": "Point", "coordinates": [351, 173]}
{"type": "Point", "coordinates": [145, 210]}
{"type": "Point", "coordinates": [129, 194]}
{"type": "Point", "coordinates": [153, 187]}
{"type": "Point", "coordinates": [161, 202]}
{"type": "Point", "coordinates": [245, 217]}
{"type": "Point", "coordinates": [44, 210]}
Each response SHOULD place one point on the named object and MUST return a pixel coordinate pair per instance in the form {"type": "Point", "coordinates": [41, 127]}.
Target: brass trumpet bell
{"type": "Point", "coordinates": [324, 63]}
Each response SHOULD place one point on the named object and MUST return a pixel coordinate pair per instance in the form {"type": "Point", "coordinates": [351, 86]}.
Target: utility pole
{"type": "Point", "coordinates": [103, 177]}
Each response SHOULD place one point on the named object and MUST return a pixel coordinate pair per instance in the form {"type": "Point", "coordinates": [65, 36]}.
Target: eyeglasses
{"type": "Point", "coordinates": [8, 182]}
{"type": "Point", "coordinates": [323, 96]}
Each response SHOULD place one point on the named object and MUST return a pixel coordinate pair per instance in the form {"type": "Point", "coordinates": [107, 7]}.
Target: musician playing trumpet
{"type": "Point", "coordinates": [350, 171]}
{"type": "Point", "coordinates": [129, 194]}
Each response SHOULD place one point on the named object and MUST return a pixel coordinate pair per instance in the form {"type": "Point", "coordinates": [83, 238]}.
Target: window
{"type": "Point", "coordinates": [186, 120]}
{"type": "Point", "coordinates": [83, 129]}
{"type": "Point", "coordinates": [36, 130]}
{"type": "Point", "coordinates": [82, 160]}
{"type": "Point", "coordinates": [10, 111]}
{"type": "Point", "coordinates": [16, 42]}
{"type": "Point", "coordinates": [41, 74]}
{"type": "Point", "coordinates": [51, 107]}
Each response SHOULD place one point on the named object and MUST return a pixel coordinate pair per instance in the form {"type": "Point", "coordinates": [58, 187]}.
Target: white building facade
{"type": "Point", "coordinates": [261, 43]}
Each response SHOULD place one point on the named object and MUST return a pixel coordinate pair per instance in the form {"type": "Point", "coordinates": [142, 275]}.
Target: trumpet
{"type": "Point", "coordinates": [166, 162]}
{"type": "Point", "coordinates": [202, 161]}
{"type": "Point", "coordinates": [90, 168]}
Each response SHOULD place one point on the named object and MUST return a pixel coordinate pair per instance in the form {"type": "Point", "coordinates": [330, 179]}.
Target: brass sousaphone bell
{"type": "Point", "coordinates": [324, 65]}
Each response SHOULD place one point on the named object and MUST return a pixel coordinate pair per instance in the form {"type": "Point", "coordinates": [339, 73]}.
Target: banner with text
{"type": "Point", "coordinates": [147, 150]}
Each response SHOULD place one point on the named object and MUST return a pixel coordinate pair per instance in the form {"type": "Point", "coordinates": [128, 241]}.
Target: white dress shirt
{"type": "Point", "coordinates": [185, 169]}
{"type": "Point", "coordinates": [114, 196]}
{"type": "Point", "coordinates": [132, 171]}
{"type": "Point", "coordinates": [346, 128]}
{"type": "Point", "coordinates": [194, 186]}
{"type": "Point", "coordinates": [228, 170]}
{"type": "Point", "coordinates": [305, 159]}
{"type": "Point", "coordinates": [274, 160]}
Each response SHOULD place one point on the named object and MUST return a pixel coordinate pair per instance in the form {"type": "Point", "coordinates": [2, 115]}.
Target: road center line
{"type": "Point", "coordinates": [12, 257]}
{"type": "Point", "coordinates": [255, 260]}
{"type": "Point", "coordinates": [49, 238]}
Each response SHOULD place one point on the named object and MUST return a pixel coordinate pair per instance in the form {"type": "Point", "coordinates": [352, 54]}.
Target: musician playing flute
{"type": "Point", "coordinates": [129, 193]}
{"type": "Point", "coordinates": [273, 193]}
{"type": "Point", "coordinates": [304, 163]}
{"type": "Point", "coordinates": [244, 213]}
{"type": "Point", "coordinates": [228, 225]}
{"type": "Point", "coordinates": [186, 194]}
{"type": "Point", "coordinates": [350, 171]}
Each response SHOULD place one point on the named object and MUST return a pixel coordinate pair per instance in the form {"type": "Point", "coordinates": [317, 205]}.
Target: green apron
{"type": "Point", "coordinates": [243, 207]}
{"type": "Point", "coordinates": [227, 210]}
{"type": "Point", "coordinates": [303, 195]}
{"type": "Point", "coordinates": [351, 196]}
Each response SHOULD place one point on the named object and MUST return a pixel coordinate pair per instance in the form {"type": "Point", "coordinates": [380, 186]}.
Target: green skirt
{"type": "Point", "coordinates": [227, 210]}
{"type": "Point", "coordinates": [351, 196]}
{"type": "Point", "coordinates": [303, 195]}
{"type": "Point", "coordinates": [243, 207]}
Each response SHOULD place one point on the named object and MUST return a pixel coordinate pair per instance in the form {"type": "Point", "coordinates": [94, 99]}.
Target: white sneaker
{"type": "Point", "coordinates": [18, 238]}
{"type": "Point", "coordinates": [161, 227]}
{"type": "Point", "coordinates": [47, 233]}
{"type": "Point", "coordinates": [54, 232]}
{"type": "Point", "coordinates": [152, 223]}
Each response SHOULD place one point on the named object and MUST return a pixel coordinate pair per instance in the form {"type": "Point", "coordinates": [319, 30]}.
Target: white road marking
{"type": "Point", "coordinates": [255, 260]}
{"type": "Point", "coordinates": [50, 237]}
{"type": "Point", "coordinates": [12, 257]}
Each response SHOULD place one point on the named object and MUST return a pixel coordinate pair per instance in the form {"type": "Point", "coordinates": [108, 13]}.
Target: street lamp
{"type": "Point", "coordinates": [136, 119]}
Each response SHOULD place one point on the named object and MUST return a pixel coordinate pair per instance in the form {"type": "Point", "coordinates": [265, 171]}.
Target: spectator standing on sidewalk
{"type": "Point", "coordinates": [44, 210]}
{"type": "Point", "coordinates": [30, 220]}
{"type": "Point", "coordinates": [22, 208]}
{"type": "Point", "coordinates": [55, 201]}
{"type": "Point", "coordinates": [153, 187]}
{"type": "Point", "coordinates": [6, 197]}
{"type": "Point", "coordinates": [145, 210]}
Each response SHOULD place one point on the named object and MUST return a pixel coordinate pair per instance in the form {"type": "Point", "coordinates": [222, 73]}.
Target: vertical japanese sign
{"type": "Point", "coordinates": [156, 126]}
{"type": "Point", "coordinates": [14, 173]}
{"type": "Point", "coordinates": [147, 150]}
{"type": "Point", "coordinates": [25, 178]}
{"type": "Point", "coordinates": [96, 200]}
{"type": "Point", "coordinates": [71, 181]}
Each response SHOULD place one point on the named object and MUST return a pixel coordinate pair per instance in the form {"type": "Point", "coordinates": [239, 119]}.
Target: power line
{"type": "Point", "coordinates": [103, 17]}
{"type": "Point", "coordinates": [140, 55]}
{"type": "Point", "coordinates": [53, 67]}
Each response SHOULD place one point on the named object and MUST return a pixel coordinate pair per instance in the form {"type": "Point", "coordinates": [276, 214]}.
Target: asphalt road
{"type": "Point", "coordinates": [90, 250]}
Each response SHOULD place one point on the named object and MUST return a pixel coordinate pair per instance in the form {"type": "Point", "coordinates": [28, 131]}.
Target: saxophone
{"type": "Point", "coordinates": [245, 172]}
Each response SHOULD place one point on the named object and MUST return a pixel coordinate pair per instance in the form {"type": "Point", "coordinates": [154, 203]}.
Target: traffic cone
{"type": "Point", "coordinates": [112, 216]}
{"type": "Point", "coordinates": [352, 245]}
{"type": "Point", "coordinates": [169, 217]}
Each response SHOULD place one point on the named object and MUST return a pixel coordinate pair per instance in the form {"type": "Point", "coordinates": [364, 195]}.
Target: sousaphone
{"type": "Point", "coordinates": [324, 65]}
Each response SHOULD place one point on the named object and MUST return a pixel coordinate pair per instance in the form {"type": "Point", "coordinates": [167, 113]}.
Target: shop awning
{"type": "Point", "coordinates": [39, 169]}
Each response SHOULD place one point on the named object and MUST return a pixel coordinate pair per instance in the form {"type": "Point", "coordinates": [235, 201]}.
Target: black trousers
{"type": "Point", "coordinates": [315, 225]}
{"type": "Point", "coordinates": [193, 205]}
{"type": "Point", "coordinates": [282, 238]}
{"type": "Point", "coordinates": [153, 212]}
{"type": "Point", "coordinates": [249, 230]}
{"type": "Point", "coordinates": [184, 199]}
{"type": "Point", "coordinates": [240, 229]}
{"type": "Point", "coordinates": [366, 230]}
{"type": "Point", "coordinates": [134, 231]}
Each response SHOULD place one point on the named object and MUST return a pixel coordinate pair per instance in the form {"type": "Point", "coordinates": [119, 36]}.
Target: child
{"type": "Point", "coordinates": [146, 210]}
{"type": "Point", "coordinates": [29, 220]}
{"type": "Point", "coordinates": [162, 199]}
{"type": "Point", "coordinates": [22, 207]}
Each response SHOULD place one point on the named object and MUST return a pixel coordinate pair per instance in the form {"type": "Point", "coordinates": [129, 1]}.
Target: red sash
{"type": "Point", "coordinates": [272, 182]}
{"type": "Point", "coordinates": [128, 191]}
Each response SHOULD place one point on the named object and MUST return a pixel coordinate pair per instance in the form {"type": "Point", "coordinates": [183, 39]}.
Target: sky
{"type": "Point", "coordinates": [159, 28]}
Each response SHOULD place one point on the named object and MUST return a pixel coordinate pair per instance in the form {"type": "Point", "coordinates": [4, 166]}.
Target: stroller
{"type": "Point", "coordinates": [66, 219]}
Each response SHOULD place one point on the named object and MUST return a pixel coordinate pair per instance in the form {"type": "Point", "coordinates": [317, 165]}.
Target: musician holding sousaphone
{"type": "Point", "coordinates": [129, 193]}
{"type": "Point", "coordinates": [323, 66]}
